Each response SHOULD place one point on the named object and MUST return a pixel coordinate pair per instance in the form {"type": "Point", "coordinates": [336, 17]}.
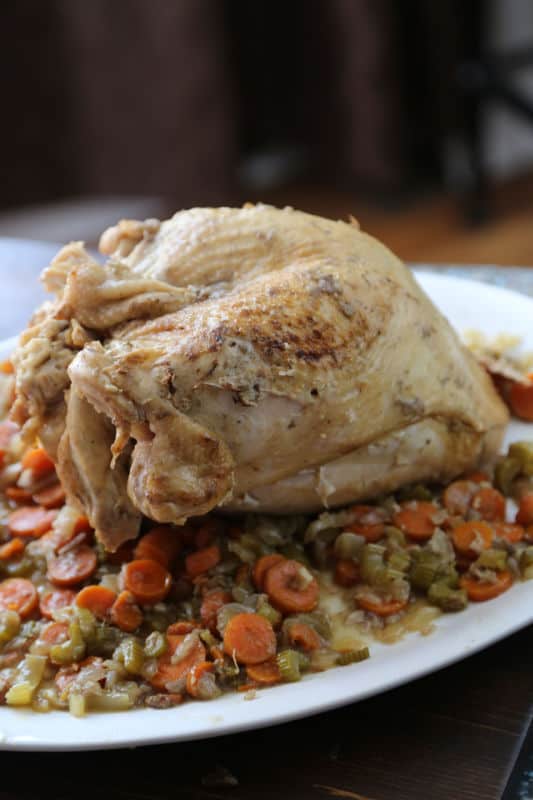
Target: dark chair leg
{"type": "Point", "coordinates": [474, 128]}
{"type": "Point", "coordinates": [471, 81]}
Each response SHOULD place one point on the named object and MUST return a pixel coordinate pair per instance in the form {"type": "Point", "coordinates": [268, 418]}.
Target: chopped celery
{"type": "Point", "coordinates": [110, 701]}
{"type": "Point", "coordinates": [104, 639]}
{"type": "Point", "coordinates": [71, 650]}
{"type": "Point", "coordinates": [415, 491]}
{"type": "Point", "coordinates": [395, 537]}
{"type": "Point", "coordinates": [424, 569]}
{"type": "Point", "coordinates": [9, 625]}
{"type": "Point", "coordinates": [86, 621]}
{"type": "Point", "coordinates": [19, 695]}
{"type": "Point", "coordinates": [269, 612]}
{"type": "Point", "coordinates": [505, 473]}
{"type": "Point", "coordinates": [289, 665]}
{"type": "Point", "coordinates": [523, 452]}
{"type": "Point", "coordinates": [241, 593]}
{"type": "Point", "coordinates": [18, 568]}
{"type": "Point", "coordinates": [353, 656]}
{"type": "Point", "coordinates": [77, 704]}
{"type": "Point", "coordinates": [446, 598]}
{"type": "Point", "coordinates": [304, 662]}
{"type": "Point", "coordinates": [251, 542]}
{"type": "Point", "coordinates": [526, 559]}
{"type": "Point", "coordinates": [348, 545]}
{"type": "Point", "coordinates": [29, 675]}
{"type": "Point", "coordinates": [130, 653]}
{"type": "Point", "coordinates": [400, 561]}
{"type": "Point", "coordinates": [492, 559]}
{"type": "Point", "coordinates": [373, 569]}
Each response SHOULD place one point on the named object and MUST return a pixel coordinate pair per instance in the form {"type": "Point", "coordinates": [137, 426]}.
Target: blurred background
{"type": "Point", "coordinates": [415, 117]}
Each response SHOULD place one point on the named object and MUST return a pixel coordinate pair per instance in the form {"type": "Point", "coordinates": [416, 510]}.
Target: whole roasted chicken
{"type": "Point", "coordinates": [251, 359]}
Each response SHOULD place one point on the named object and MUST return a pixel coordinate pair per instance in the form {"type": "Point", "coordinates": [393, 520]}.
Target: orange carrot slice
{"type": "Point", "coordinates": [20, 595]}
{"type": "Point", "coordinates": [147, 580]}
{"type": "Point", "coordinates": [249, 638]}
{"type": "Point", "coordinates": [479, 591]}
{"type": "Point", "coordinates": [291, 588]}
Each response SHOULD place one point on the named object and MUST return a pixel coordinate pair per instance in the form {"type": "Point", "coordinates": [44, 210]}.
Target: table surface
{"type": "Point", "coordinates": [459, 734]}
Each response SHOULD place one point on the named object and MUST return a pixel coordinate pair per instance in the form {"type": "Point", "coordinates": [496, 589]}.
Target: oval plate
{"type": "Point", "coordinates": [467, 304]}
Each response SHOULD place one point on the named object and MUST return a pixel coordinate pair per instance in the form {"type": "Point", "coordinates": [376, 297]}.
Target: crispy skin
{"type": "Point", "coordinates": [300, 366]}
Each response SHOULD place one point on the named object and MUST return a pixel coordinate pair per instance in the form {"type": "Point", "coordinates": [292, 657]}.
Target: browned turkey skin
{"type": "Point", "coordinates": [251, 359]}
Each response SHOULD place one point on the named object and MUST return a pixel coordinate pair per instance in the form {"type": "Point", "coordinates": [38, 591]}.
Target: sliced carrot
{"type": "Point", "coordinates": [54, 633]}
{"type": "Point", "coordinates": [20, 595]}
{"type": "Point", "coordinates": [6, 367]}
{"type": "Point", "coordinates": [477, 477]}
{"type": "Point", "coordinates": [18, 495]}
{"type": "Point", "coordinates": [346, 572]}
{"type": "Point", "coordinates": [489, 503]}
{"type": "Point", "coordinates": [458, 496]}
{"type": "Point", "coordinates": [521, 399]}
{"type": "Point", "coordinates": [51, 497]}
{"type": "Point", "coordinates": [478, 591]}
{"type": "Point", "coordinates": [291, 588]}
{"type": "Point", "coordinates": [382, 608]}
{"type": "Point", "coordinates": [161, 544]}
{"type": "Point", "coordinates": [12, 549]}
{"type": "Point", "coordinates": [266, 673]}
{"type": "Point", "coordinates": [416, 519]}
{"type": "Point", "coordinates": [72, 566]}
{"type": "Point", "coordinates": [202, 560]}
{"type": "Point", "coordinates": [30, 521]}
{"type": "Point", "coordinates": [369, 522]}
{"type": "Point", "coordinates": [55, 601]}
{"type": "Point", "coordinates": [38, 461]}
{"type": "Point", "coordinates": [211, 605]}
{"type": "Point", "coordinates": [82, 525]}
{"type": "Point", "coordinates": [51, 540]}
{"type": "Point", "coordinates": [249, 639]}
{"type": "Point", "coordinates": [147, 580]}
{"type": "Point", "coordinates": [97, 599]}
{"type": "Point", "coordinates": [195, 675]}
{"type": "Point", "coordinates": [46, 522]}
{"type": "Point", "coordinates": [167, 672]}
{"type": "Point", "coordinates": [181, 628]}
{"type": "Point", "coordinates": [509, 532]}
{"type": "Point", "coordinates": [58, 540]}
{"type": "Point", "coordinates": [471, 537]}
{"type": "Point", "coordinates": [65, 675]}
{"type": "Point", "coordinates": [304, 636]}
{"type": "Point", "coordinates": [524, 515]}
{"type": "Point", "coordinates": [125, 613]}
{"type": "Point", "coordinates": [262, 565]}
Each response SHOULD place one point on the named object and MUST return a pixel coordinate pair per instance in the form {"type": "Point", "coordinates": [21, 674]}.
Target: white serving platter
{"type": "Point", "coordinates": [467, 304]}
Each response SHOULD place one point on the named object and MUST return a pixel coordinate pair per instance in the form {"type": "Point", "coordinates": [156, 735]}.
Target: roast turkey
{"type": "Point", "coordinates": [250, 359]}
